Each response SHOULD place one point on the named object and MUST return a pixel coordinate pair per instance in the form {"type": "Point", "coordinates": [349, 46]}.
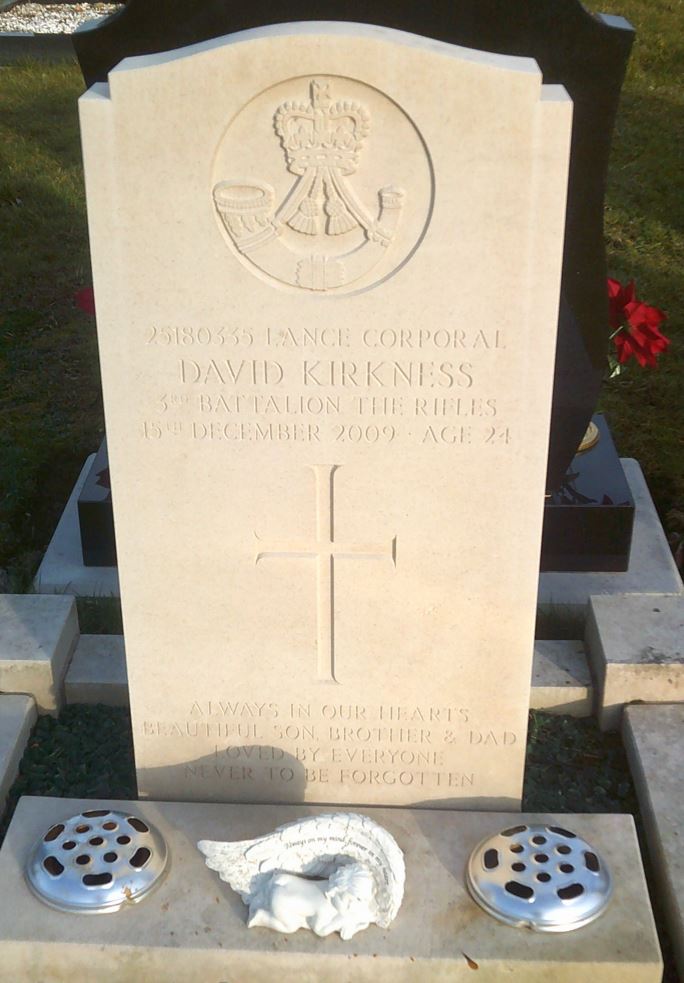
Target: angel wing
{"type": "Point", "coordinates": [230, 862]}
{"type": "Point", "coordinates": [314, 846]}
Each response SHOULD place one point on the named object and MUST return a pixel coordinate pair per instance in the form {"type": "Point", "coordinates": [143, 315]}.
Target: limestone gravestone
{"type": "Point", "coordinates": [327, 261]}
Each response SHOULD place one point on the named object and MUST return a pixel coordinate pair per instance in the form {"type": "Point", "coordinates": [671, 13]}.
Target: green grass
{"type": "Point", "coordinates": [50, 403]}
{"type": "Point", "coordinates": [645, 241]}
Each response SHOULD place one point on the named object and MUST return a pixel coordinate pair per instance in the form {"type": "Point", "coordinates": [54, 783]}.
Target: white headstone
{"type": "Point", "coordinates": [327, 262]}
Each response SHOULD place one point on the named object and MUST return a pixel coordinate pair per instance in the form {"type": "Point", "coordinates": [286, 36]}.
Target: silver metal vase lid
{"type": "Point", "coordinates": [97, 862]}
{"type": "Point", "coordinates": [542, 877]}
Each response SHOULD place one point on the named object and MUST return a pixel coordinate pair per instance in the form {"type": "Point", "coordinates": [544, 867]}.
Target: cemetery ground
{"type": "Point", "coordinates": [51, 412]}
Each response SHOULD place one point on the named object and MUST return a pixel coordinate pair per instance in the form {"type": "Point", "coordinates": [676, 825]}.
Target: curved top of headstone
{"type": "Point", "coordinates": [342, 29]}
{"type": "Point", "coordinates": [560, 34]}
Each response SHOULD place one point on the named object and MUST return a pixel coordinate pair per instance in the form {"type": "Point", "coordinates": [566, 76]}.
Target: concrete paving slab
{"type": "Point", "coordinates": [654, 739]}
{"type": "Point", "coordinates": [635, 645]}
{"type": "Point", "coordinates": [561, 681]}
{"type": "Point", "coordinates": [38, 635]}
{"type": "Point", "coordinates": [192, 928]}
{"type": "Point", "coordinates": [17, 717]}
{"type": "Point", "coordinates": [97, 673]}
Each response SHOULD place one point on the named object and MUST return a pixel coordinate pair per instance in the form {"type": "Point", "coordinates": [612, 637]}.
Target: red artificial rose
{"type": "Point", "coordinates": [635, 325]}
{"type": "Point", "coordinates": [85, 299]}
{"type": "Point", "coordinates": [618, 298]}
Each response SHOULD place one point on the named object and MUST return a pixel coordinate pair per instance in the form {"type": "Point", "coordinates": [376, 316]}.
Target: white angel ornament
{"type": "Point", "coordinates": [337, 872]}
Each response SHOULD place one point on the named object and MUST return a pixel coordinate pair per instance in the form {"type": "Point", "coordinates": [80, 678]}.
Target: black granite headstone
{"type": "Point", "coordinates": [95, 516]}
{"type": "Point", "coordinates": [588, 521]}
{"type": "Point", "coordinates": [586, 53]}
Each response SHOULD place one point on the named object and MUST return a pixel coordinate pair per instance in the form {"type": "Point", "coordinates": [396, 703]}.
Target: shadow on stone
{"type": "Point", "coordinates": [246, 773]}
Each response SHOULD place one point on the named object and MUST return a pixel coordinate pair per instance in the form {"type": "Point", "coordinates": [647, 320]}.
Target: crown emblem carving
{"type": "Point", "coordinates": [321, 133]}
{"type": "Point", "coordinates": [322, 141]}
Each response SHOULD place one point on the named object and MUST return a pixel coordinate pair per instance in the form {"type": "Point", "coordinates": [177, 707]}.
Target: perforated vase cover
{"type": "Point", "coordinates": [543, 877]}
{"type": "Point", "coordinates": [96, 862]}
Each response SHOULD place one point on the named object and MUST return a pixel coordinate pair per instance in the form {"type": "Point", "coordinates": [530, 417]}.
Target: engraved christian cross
{"type": "Point", "coordinates": [326, 550]}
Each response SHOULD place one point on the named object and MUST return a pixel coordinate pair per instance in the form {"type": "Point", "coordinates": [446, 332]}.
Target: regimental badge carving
{"type": "Point", "coordinates": [322, 236]}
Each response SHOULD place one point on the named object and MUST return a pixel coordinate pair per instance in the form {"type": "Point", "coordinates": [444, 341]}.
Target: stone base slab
{"type": "Point", "coordinates": [652, 570]}
{"type": "Point", "coordinates": [62, 570]}
{"type": "Point", "coordinates": [192, 928]}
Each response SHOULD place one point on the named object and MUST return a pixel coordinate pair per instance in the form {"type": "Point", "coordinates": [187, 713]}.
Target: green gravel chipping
{"type": "Point", "coordinates": [86, 753]}
{"type": "Point", "coordinates": [572, 767]}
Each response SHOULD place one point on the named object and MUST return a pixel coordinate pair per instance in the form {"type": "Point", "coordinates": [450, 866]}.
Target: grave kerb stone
{"type": "Point", "coordinates": [636, 648]}
{"type": "Point", "coordinates": [38, 634]}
